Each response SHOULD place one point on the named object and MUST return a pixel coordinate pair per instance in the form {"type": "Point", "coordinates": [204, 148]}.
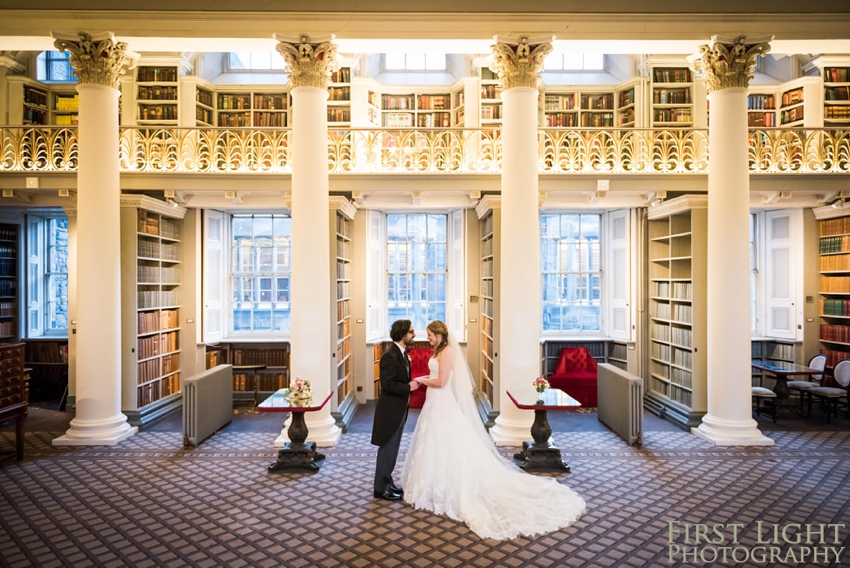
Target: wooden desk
{"type": "Point", "coordinates": [541, 454]}
{"type": "Point", "coordinates": [297, 454]}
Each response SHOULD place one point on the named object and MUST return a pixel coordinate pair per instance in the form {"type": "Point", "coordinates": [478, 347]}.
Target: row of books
{"type": "Point", "coordinates": [671, 75]}
{"type": "Point", "coordinates": [158, 112]}
{"type": "Point", "coordinates": [156, 74]}
{"type": "Point", "coordinates": [840, 333]}
{"type": "Point", "coordinates": [342, 249]}
{"type": "Point", "coordinates": [835, 262]}
{"type": "Point", "coordinates": [761, 119]}
{"type": "Point", "coordinates": [339, 114]}
{"type": "Point", "coordinates": [671, 96]}
{"type": "Point", "coordinates": [7, 288]}
{"type": "Point", "coordinates": [157, 274]}
{"type": "Point", "coordinates": [170, 384]}
{"type": "Point", "coordinates": [154, 345]}
{"type": "Point", "coordinates": [342, 290]}
{"type": "Point", "coordinates": [204, 97]}
{"type": "Point", "coordinates": [155, 249]}
{"type": "Point", "coordinates": [341, 75]}
{"type": "Point", "coordinates": [170, 363]}
{"type": "Point", "coordinates": [597, 120]}
{"type": "Point", "coordinates": [834, 307]}
{"type": "Point", "coordinates": [491, 91]}
{"type": "Point", "coordinates": [147, 371]}
{"type": "Point", "coordinates": [491, 112]}
{"type": "Point", "coordinates": [837, 284]}
{"type": "Point", "coordinates": [792, 97]}
{"type": "Point", "coordinates": [271, 102]}
{"type": "Point", "coordinates": [672, 115]}
{"type": "Point", "coordinates": [836, 74]}
{"type": "Point", "coordinates": [397, 120]}
{"type": "Point", "coordinates": [761, 102]}
{"type": "Point", "coordinates": [342, 310]}
{"type": "Point", "coordinates": [268, 382]}
{"type": "Point", "coordinates": [836, 93]}
{"type": "Point", "coordinates": [271, 357]}
{"type": "Point", "coordinates": [155, 321]}
{"type": "Point", "coordinates": [433, 102]}
{"type": "Point", "coordinates": [343, 226]}
{"type": "Point", "coordinates": [487, 288]}
{"type": "Point", "coordinates": [791, 115]}
{"type": "Point", "coordinates": [829, 227]}
{"type": "Point", "coordinates": [67, 103]}
{"type": "Point", "coordinates": [152, 392]}
{"type": "Point", "coordinates": [66, 120]}
{"type": "Point", "coordinates": [626, 98]}
{"type": "Point", "coordinates": [343, 270]}
{"type": "Point", "coordinates": [157, 93]}
{"type": "Point", "coordinates": [833, 357]}
{"type": "Point", "coordinates": [837, 112]}
{"type": "Point", "coordinates": [7, 266]}
{"type": "Point", "coordinates": [342, 329]}
{"type": "Point", "coordinates": [682, 378]}
{"type": "Point", "coordinates": [559, 102]}
{"type": "Point", "coordinates": [343, 350]}
{"type": "Point", "coordinates": [35, 97]}
{"type": "Point", "coordinates": [433, 120]}
{"type": "Point", "coordinates": [148, 299]}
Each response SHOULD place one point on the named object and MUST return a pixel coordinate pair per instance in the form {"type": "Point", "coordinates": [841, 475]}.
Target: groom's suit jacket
{"type": "Point", "coordinates": [391, 409]}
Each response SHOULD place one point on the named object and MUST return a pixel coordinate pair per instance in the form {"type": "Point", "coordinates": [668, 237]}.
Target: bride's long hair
{"type": "Point", "coordinates": [439, 328]}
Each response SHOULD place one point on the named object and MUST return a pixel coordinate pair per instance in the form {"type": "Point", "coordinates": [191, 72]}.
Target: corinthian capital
{"type": "Point", "coordinates": [728, 62]}
{"type": "Point", "coordinates": [96, 59]}
{"type": "Point", "coordinates": [519, 61]}
{"type": "Point", "coordinates": [310, 62]}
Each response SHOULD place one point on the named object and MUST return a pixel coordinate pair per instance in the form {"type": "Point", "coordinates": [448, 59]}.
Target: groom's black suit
{"type": "Point", "coordinates": [390, 414]}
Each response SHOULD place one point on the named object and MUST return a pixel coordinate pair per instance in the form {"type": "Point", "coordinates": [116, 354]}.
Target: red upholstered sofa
{"type": "Point", "coordinates": [575, 374]}
{"type": "Point", "coordinates": [418, 367]}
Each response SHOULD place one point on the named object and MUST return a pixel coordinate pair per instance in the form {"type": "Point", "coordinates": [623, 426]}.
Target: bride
{"type": "Point", "coordinates": [453, 468]}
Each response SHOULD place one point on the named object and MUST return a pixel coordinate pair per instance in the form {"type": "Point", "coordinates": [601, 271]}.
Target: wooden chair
{"type": "Point", "coordinates": [817, 362]}
{"type": "Point", "coordinates": [830, 396]}
{"type": "Point", "coordinates": [760, 394]}
{"type": "Point", "coordinates": [13, 401]}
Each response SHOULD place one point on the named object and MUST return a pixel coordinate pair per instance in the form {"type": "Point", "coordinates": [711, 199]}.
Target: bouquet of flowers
{"type": "Point", "coordinates": [540, 384]}
{"type": "Point", "coordinates": [300, 390]}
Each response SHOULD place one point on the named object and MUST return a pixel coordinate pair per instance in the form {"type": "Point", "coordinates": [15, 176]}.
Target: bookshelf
{"type": "Point", "coordinates": [761, 110]}
{"type": "Point", "coordinates": [64, 107]}
{"type": "Point", "coordinates": [204, 109]}
{"type": "Point", "coordinates": [618, 354]}
{"type": "Point", "coordinates": [253, 108]}
{"type": "Point", "coordinates": [834, 284]}
{"type": "Point", "coordinates": [772, 350]}
{"type": "Point", "coordinates": [488, 382]}
{"type": "Point", "coordinates": [48, 359]}
{"type": "Point", "coordinates": [597, 110]}
{"type": "Point", "coordinates": [459, 107]}
{"type": "Point", "coordinates": [672, 96]}
{"type": "Point", "coordinates": [9, 306]}
{"type": "Point", "coordinates": [676, 385]}
{"type": "Point", "coordinates": [491, 98]}
{"type": "Point", "coordinates": [344, 403]}
{"type": "Point", "coordinates": [157, 94]}
{"type": "Point", "coordinates": [339, 97]}
{"type": "Point", "coordinates": [560, 109]}
{"type": "Point", "coordinates": [420, 110]}
{"type": "Point", "coordinates": [373, 109]}
{"type": "Point", "coordinates": [275, 356]}
{"type": "Point", "coordinates": [378, 351]}
{"type": "Point", "coordinates": [792, 109]}
{"type": "Point", "coordinates": [836, 95]}
{"type": "Point", "coordinates": [151, 293]}
{"type": "Point", "coordinates": [626, 100]}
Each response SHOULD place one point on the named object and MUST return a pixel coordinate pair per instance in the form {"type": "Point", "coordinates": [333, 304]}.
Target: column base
{"type": "Point", "coordinates": [325, 433]}
{"type": "Point", "coordinates": [731, 432]}
{"type": "Point", "coordinates": [510, 433]}
{"type": "Point", "coordinates": [96, 432]}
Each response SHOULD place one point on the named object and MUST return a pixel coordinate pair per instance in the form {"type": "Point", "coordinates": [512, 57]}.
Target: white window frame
{"type": "Point", "coordinates": [408, 69]}
{"type": "Point", "coordinates": [550, 64]}
{"type": "Point", "coordinates": [218, 283]}
{"type": "Point", "coordinates": [37, 287]}
{"type": "Point", "coordinates": [779, 285]}
{"type": "Point", "coordinates": [229, 68]}
{"type": "Point", "coordinates": [44, 58]}
{"type": "Point", "coordinates": [603, 303]}
{"type": "Point", "coordinates": [377, 310]}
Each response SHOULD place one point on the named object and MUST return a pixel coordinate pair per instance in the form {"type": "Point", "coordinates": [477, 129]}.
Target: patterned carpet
{"type": "Point", "coordinates": [148, 502]}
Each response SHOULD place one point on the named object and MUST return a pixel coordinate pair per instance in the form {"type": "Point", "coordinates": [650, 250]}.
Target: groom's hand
{"type": "Point", "coordinates": [414, 385]}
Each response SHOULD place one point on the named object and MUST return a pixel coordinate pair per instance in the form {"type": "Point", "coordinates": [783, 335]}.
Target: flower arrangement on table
{"type": "Point", "coordinates": [300, 390]}
{"type": "Point", "coordinates": [540, 384]}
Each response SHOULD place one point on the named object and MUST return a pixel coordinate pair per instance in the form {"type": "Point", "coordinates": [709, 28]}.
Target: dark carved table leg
{"type": "Point", "coordinates": [298, 454]}
{"type": "Point", "coordinates": [541, 455]}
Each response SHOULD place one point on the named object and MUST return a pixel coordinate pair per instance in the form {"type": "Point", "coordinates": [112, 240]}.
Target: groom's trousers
{"type": "Point", "coordinates": [387, 457]}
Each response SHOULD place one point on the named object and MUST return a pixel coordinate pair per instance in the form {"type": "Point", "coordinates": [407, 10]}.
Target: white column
{"type": "Point", "coordinates": [311, 337]}
{"type": "Point", "coordinates": [729, 419]}
{"type": "Point", "coordinates": [98, 420]}
{"type": "Point", "coordinates": [519, 307]}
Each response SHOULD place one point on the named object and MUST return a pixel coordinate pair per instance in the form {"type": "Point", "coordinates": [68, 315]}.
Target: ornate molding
{"type": "Point", "coordinates": [728, 63]}
{"type": "Point", "coordinates": [519, 61]}
{"type": "Point", "coordinates": [152, 205]}
{"type": "Point", "coordinates": [343, 205]}
{"type": "Point", "coordinates": [310, 62]}
{"type": "Point", "coordinates": [488, 203]}
{"type": "Point", "coordinates": [97, 59]}
{"type": "Point", "coordinates": [678, 205]}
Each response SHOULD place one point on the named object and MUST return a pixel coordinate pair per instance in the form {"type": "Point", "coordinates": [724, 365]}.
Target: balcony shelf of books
{"type": "Point", "coordinates": [761, 110]}
{"type": "Point", "coordinates": [672, 92]}
{"type": "Point", "coordinates": [626, 114]}
{"type": "Point", "coordinates": [491, 98]}
{"type": "Point", "coordinates": [151, 276]}
{"type": "Point", "coordinates": [204, 109]}
{"type": "Point", "coordinates": [260, 383]}
{"type": "Point", "coordinates": [339, 98]}
{"type": "Point", "coordinates": [263, 109]}
{"type": "Point", "coordinates": [35, 109]}
{"type": "Point", "coordinates": [836, 96]}
{"type": "Point", "coordinates": [677, 309]}
{"type": "Point", "coordinates": [420, 110]}
{"type": "Point", "coordinates": [834, 284]}
{"type": "Point", "coordinates": [157, 95]}
{"type": "Point", "coordinates": [64, 107]}
{"type": "Point", "coordinates": [459, 108]}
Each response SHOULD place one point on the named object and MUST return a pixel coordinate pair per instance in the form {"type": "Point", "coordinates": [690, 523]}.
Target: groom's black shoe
{"type": "Point", "coordinates": [396, 489]}
{"type": "Point", "coordinates": [388, 495]}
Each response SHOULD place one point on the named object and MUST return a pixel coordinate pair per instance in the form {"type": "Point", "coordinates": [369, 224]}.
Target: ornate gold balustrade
{"type": "Point", "coordinates": [427, 151]}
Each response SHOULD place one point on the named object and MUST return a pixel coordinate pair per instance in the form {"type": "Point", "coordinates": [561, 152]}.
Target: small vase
{"type": "Point", "coordinates": [540, 391]}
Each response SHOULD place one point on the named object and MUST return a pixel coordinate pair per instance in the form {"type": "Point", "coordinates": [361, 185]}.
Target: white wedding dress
{"type": "Point", "coordinates": [453, 468]}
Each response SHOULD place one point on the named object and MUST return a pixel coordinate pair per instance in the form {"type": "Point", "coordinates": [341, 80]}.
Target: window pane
{"type": "Point", "coordinates": [551, 317]}
{"type": "Point", "coordinates": [590, 227]}
{"type": "Point", "coordinates": [241, 320]}
{"type": "Point", "coordinates": [416, 229]}
{"type": "Point", "coordinates": [283, 290]}
{"type": "Point", "coordinates": [394, 61]}
{"type": "Point", "coordinates": [550, 288]}
{"type": "Point", "coordinates": [418, 257]}
{"type": "Point", "coordinates": [414, 61]}
{"type": "Point", "coordinates": [396, 228]}
{"type": "Point", "coordinates": [572, 318]}
{"type": "Point", "coordinates": [435, 62]}
{"type": "Point", "coordinates": [240, 60]}
{"type": "Point", "coordinates": [261, 60]}
{"type": "Point", "coordinates": [59, 71]}
{"type": "Point", "coordinates": [594, 61]}
{"type": "Point", "coordinates": [437, 258]}
{"type": "Point", "coordinates": [437, 288]}
{"type": "Point", "coordinates": [41, 66]}
{"type": "Point", "coordinates": [549, 255]}
{"type": "Point", "coordinates": [550, 226]}
{"type": "Point", "coordinates": [591, 317]}
{"type": "Point", "coordinates": [436, 228]}
{"type": "Point", "coordinates": [278, 62]}
{"type": "Point", "coordinates": [262, 320]}
{"type": "Point", "coordinates": [436, 311]}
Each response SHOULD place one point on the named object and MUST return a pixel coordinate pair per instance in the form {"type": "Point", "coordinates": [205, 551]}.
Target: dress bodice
{"type": "Point", "coordinates": [433, 368]}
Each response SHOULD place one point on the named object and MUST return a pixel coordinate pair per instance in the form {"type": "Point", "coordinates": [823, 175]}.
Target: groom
{"type": "Point", "coordinates": [391, 411]}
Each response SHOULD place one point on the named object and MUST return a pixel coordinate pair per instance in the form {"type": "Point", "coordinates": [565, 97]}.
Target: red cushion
{"type": "Point", "coordinates": [419, 357]}
{"type": "Point", "coordinates": [573, 379]}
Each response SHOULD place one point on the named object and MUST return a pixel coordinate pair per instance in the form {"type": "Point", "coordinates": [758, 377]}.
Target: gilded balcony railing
{"type": "Point", "coordinates": [428, 151]}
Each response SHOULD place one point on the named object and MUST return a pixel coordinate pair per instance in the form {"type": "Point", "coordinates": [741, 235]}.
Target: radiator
{"type": "Point", "coordinates": [207, 404]}
{"type": "Point", "coordinates": [620, 408]}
